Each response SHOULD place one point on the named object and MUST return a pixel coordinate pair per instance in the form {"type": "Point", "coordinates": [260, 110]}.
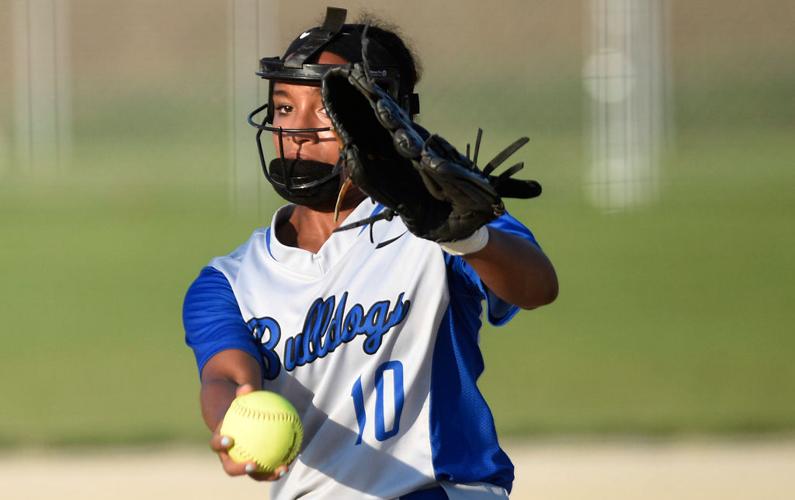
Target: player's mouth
{"type": "Point", "coordinates": [298, 156]}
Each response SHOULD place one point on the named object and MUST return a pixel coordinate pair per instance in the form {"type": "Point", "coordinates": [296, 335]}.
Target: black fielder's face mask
{"type": "Point", "coordinates": [304, 182]}
{"type": "Point", "coordinates": [311, 183]}
{"type": "Point", "coordinates": [307, 182]}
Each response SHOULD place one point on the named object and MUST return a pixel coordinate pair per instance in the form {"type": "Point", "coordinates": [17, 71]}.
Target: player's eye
{"type": "Point", "coordinates": [284, 109]}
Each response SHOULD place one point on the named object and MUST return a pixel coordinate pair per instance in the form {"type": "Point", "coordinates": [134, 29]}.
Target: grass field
{"type": "Point", "coordinates": [672, 318]}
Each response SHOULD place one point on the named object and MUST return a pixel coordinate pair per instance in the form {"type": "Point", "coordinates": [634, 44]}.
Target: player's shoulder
{"type": "Point", "coordinates": [230, 263]}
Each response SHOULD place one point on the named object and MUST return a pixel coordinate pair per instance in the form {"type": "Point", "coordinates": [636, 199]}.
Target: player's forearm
{"type": "Point", "coordinates": [221, 376]}
{"type": "Point", "coordinates": [515, 270]}
{"type": "Point", "coordinates": [216, 396]}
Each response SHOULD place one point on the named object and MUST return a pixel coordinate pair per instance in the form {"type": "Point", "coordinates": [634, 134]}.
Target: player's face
{"type": "Point", "coordinates": [300, 106]}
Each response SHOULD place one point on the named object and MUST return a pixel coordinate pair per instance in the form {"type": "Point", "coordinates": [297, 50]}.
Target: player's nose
{"type": "Point", "coordinates": [305, 120]}
{"type": "Point", "coordinates": [302, 138]}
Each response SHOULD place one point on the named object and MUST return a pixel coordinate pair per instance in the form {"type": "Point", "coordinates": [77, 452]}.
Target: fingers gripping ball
{"type": "Point", "coordinates": [266, 430]}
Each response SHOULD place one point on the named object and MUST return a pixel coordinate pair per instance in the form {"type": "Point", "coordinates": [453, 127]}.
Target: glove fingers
{"type": "Point", "coordinates": [469, 182]}
{"type": "Point", "coordinates": [456, 185]}
{"type": "Point", "coordinates": [472, 195]}
{"type": "Point", "coordinates": [516, 188]}
{"type": "Point", "coordinates": [407, 143]}
{"type": "Point", "coordinates": [432, 185]}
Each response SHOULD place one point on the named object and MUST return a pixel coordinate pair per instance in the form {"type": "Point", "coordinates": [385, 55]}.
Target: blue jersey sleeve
{"type": "Point", "coordinates": [212, 319]}
{"type": "Point", "coordinates": [499, 311]}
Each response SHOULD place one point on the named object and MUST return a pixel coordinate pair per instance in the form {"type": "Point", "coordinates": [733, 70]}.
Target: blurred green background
{"type": "Point", "coordinates": [673, 316]}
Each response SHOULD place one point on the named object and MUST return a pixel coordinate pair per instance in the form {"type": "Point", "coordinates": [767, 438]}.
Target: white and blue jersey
{"type": "Point", "coordinates": [377, 348]}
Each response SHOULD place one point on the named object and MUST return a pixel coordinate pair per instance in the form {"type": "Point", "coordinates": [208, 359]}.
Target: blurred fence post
{"type": "Point", "coordinates": [253, 34]}
{"type": "Point", "coordinates": [626, 76]}
{"type": "Point", "coordinates": [42, 94]}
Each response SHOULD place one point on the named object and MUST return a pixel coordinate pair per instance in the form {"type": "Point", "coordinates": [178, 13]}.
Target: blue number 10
{"type": "Point", "coordinates": [381, 433]}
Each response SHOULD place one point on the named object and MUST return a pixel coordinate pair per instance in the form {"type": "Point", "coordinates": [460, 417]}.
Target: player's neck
{"type": "Point", "coordinates": [309, 229]}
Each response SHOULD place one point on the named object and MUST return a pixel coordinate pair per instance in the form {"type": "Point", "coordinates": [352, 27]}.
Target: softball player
{"type": "Point", "coordinates": [372, 333]}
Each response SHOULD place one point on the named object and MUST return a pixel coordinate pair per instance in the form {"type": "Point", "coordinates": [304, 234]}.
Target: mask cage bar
{"type": "Point", "coordinates": [287, 166]}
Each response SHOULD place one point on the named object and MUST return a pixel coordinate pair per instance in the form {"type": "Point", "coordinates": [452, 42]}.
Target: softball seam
{"type": "Point", "coordinates": [272, 416]}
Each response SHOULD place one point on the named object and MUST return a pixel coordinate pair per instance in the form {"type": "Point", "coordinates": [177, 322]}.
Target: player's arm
{"type": "Point", "coordinates": [221, 377]}
{"type": "Point", "coordinates": [515, 269]}
{"type": "Point", "coordinates": [226, 375]}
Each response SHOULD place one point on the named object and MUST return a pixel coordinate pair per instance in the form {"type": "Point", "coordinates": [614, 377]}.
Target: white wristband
{"type": "Point", "coordinates": [471, 244]}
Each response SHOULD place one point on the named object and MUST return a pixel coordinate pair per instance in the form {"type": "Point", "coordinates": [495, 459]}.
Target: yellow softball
{"type": "Point", "coordinates": [266, 430]}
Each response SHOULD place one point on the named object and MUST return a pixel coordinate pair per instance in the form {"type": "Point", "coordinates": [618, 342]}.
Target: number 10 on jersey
{"type": "Point", "coordinates": [389, 392]}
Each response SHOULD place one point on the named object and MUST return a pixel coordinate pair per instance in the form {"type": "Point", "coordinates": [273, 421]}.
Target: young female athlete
{"type": "Point", "coordinates": [372, 333]}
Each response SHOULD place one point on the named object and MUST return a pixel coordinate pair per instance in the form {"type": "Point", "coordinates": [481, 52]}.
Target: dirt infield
{"type": "Point", "coordinates": [550, 471]}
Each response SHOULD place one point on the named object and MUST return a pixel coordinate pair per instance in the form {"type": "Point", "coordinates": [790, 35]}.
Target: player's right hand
{"type": "Point", "coordinates": [221, 445]}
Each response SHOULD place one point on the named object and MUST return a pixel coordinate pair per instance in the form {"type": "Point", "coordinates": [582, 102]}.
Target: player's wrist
{"type": "Point", "coordinates": [469, 245]}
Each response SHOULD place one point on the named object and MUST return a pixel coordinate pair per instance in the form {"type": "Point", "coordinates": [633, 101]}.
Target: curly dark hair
{"type": "Point", "coordinates": [389, 36]}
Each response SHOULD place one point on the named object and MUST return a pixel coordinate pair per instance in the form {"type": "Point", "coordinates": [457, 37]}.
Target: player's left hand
{"type": "Point", "coordinates": [221, 445]}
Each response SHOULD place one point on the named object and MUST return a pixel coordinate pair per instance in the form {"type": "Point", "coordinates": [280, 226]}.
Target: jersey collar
{"type": "Point", "coordinates": [315, 265]}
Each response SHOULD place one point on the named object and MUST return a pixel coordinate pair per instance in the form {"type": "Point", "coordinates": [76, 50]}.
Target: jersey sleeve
{"type": "Point", "coordinates": [499, 311]}
{"type": "Point", "coordinates": [212, 320]}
